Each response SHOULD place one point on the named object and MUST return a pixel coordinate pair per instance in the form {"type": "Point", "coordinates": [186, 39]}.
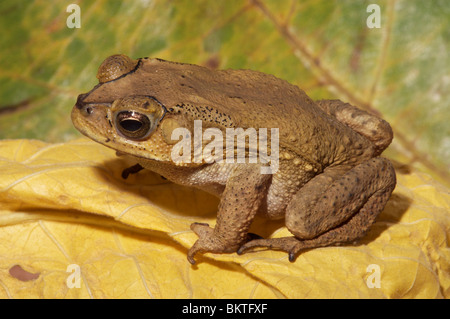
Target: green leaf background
{"type": "Point", "coordinates": [401, 70]}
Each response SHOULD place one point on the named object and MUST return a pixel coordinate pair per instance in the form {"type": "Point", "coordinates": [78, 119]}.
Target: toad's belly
{"type": "Point", "coordinates": [282, 189]}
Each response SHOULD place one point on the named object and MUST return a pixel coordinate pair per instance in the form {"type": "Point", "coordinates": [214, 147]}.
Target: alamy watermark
{"type": "Point", "coordinates": [237, 149]}
{"type": "Point", "coordinates": [374, 279]}
{"type": "Point", "coordinates": [74, 279]}
{"type": "Point", "coordinates": [374, 19]}
{"type": "Point", "coordinates": [74, 19]}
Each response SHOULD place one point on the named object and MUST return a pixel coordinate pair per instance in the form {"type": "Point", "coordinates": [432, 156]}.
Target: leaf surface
{"type": "Point", "coordinates": [66, 205]}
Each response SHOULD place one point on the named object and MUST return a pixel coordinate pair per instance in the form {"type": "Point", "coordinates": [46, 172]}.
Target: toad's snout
{"type": "Point", "coordinates": [80, 101]}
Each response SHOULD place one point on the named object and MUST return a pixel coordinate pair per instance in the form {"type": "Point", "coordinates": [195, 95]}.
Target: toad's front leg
{"type": "Point", "coordinates": [241, 199]}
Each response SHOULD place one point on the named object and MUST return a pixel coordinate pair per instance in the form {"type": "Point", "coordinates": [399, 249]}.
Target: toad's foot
{"type": "Point", "coordinates": [208, 242]}
{"type": "Point", "coordinates": [291, 245]}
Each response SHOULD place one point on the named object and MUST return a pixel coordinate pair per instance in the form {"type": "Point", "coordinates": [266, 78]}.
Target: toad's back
{"type": "Point", "coordinates": [247, 99]}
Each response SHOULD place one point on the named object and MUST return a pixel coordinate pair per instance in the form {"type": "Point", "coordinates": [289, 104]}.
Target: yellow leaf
{"type": "Point", "coordinates": [68, 219]}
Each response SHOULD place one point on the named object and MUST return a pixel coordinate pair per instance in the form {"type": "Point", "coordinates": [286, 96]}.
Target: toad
{"type": "Point", "coordinates": [330, 182]}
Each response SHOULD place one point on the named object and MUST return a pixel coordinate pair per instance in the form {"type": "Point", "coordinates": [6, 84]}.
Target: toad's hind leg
{"type": "Point", "coordinates": [375, 129]}
{"type": "Point", "coordinates": [333, 209]}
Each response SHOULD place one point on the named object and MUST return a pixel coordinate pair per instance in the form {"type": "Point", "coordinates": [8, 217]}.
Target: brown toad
{"type": "Point", "coordinates": [329, 181]}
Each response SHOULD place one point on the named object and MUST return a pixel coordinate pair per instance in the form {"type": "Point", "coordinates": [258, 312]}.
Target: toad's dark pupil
{"type": "Point", "coordinates": [131, 125]}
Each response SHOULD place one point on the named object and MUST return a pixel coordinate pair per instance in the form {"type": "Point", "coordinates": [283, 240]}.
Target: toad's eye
{"type": "Point", "coordinates": [133, 125]}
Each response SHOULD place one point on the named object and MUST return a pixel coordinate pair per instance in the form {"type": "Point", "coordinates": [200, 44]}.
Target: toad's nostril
{"type": "Point", "coordinates": [89, 110]}
{"type": "Point", "coordinates": [86, 110]}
